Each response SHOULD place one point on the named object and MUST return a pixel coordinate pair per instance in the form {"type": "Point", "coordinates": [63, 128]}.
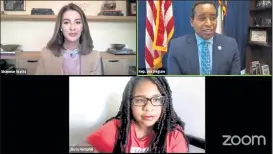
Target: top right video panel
{"type": "Point", "coordinates": [203, 38]}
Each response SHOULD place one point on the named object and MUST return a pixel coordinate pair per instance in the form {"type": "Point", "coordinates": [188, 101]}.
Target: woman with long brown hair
{"type": "Point", "coordinates": [70, 50]}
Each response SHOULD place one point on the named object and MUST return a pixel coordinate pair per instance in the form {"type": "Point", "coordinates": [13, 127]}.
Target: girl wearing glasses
{"type": "Point", "coordinates": [146, 121]}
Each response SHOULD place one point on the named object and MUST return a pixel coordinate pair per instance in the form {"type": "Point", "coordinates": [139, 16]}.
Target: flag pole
{"type": "Point", "coordinates": [222, 21]}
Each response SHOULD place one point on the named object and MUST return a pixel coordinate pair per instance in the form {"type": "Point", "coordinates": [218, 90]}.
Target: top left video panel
{"type": "Point", "coordinates": [68, 38]}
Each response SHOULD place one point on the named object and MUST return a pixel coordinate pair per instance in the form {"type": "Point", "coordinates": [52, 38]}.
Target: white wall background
{"type": "Point", "coordinates": [93, 100]}
{"type": "Point", "coordinates": [34, 35]}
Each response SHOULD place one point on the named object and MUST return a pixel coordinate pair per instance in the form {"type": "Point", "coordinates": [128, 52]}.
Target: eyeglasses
{"type": "Point", "coordinates": [142, 101]}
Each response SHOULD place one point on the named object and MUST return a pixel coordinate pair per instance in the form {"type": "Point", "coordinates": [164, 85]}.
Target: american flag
{"type": "Point", "coordinates": [159, 31]}
{"type": "Point", "coordinates": [222, 12]}
{"type": "Point", "coordinates": [223, 5]}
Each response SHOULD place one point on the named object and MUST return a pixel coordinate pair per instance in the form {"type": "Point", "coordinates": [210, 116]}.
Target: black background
{"type": "Point", "coordinates": [35, 113]}
{"type": "Point", "coordinates": [238, 106]}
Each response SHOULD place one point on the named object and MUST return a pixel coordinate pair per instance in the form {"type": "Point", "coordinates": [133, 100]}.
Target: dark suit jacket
{"type": "Point", "coordinates": [183, 56]}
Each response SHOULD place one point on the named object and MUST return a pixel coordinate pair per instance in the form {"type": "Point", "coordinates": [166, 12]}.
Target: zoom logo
{"type": "Point", "coordinates": [246, 140]}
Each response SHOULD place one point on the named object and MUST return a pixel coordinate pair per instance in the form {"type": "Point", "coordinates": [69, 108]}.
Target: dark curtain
{"type": "Point", "coordinates": [236, 25]}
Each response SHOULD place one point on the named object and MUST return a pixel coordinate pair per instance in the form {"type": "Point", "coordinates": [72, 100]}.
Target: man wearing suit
{"type": "Point", "coordinates": [205, 52]}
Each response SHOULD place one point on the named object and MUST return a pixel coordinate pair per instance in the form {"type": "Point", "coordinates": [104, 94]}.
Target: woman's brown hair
{"type": "Point", "coordinates": [57, 40]}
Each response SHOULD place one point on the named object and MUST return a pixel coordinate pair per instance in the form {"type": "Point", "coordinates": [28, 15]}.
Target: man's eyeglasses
{"type": "Point", "coordinates": [142, 101]}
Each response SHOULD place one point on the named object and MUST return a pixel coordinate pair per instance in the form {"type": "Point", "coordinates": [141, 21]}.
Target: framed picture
{"type": "Point", "coordinates": [17, 5]}
{"type": "Point", "coordinates": [265, 70]}
{"type": "Point", "coordinates": [258, 36]}
{"type": "Point", "coordinates": [133, 8]}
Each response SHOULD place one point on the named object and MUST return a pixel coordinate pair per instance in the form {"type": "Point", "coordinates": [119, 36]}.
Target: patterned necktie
{"type": "Point", "coordinates": [205, 59]}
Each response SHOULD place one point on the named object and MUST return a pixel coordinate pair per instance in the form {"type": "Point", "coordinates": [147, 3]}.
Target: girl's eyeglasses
{"type": "Point", "coordinates": [142, 101]}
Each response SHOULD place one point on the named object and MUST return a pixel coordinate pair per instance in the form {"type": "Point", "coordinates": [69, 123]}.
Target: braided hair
{"type": "Point", "coordinates": [167, 122]}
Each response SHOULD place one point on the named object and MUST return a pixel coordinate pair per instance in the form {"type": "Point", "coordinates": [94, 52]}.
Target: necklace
{"type": "Point", "coordinates": [73, 53]}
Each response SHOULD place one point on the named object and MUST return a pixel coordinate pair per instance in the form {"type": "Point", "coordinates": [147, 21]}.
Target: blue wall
{"type": "Point", "coordinates": [238, 16]}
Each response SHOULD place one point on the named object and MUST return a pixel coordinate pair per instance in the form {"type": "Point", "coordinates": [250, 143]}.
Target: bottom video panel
{"type": "Point", "coordinates": [137, 114]}
{"type": "Point", "coordinates": [114, 114]}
